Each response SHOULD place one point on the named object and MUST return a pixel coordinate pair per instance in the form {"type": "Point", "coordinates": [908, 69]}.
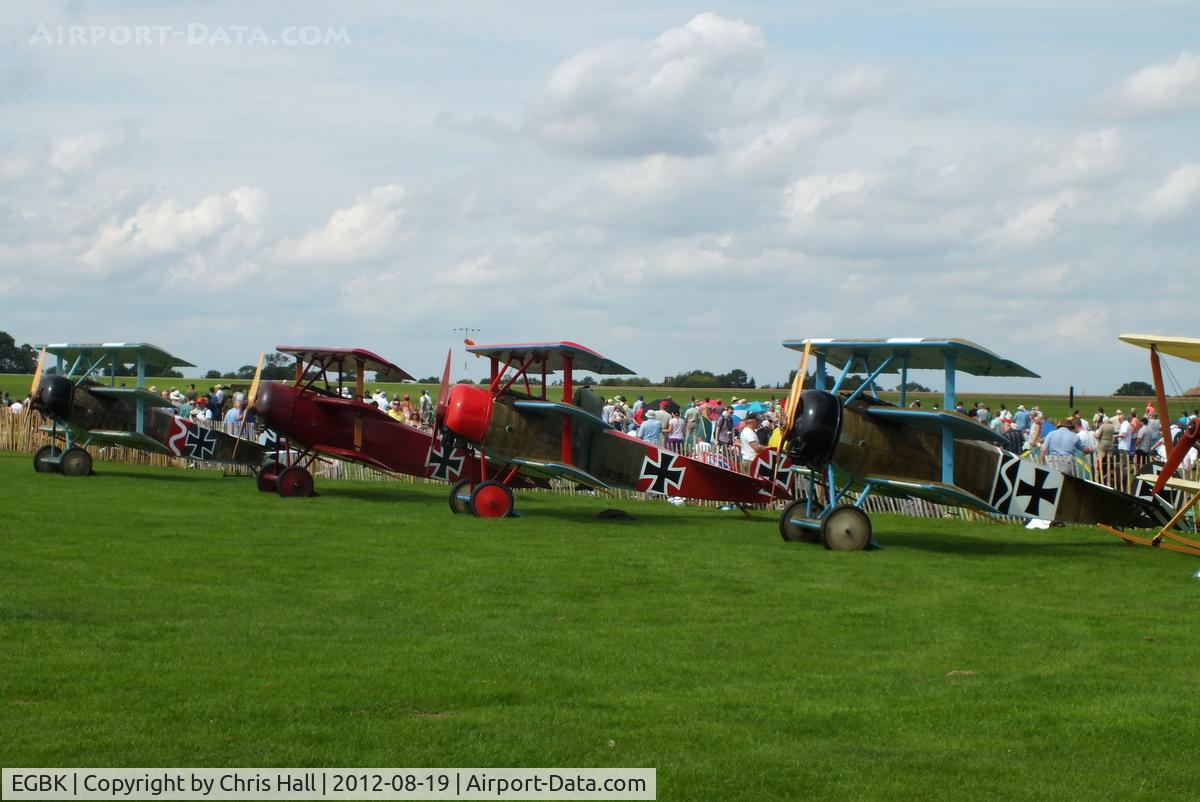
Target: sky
{"type": "Point", "coordinates": [676, 186]}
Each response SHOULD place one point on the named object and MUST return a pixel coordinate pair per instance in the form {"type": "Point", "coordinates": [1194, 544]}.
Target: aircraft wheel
{"type": "Point", "coordinates": [846, 528]}
{"type": "Point", "coordinates": [491, 499]}
{"type": "Point", "coordinates": [459, 505]}
{"type": "Point", "coordinates": [793, 533]}
{"type": "Point", "coordinates": [76, 462]}
{"type": "Point", "coordinates": [295, 483]}
{"type": "Point", "coordinates": [268, 478]}
{"type": "Point", "coordinates": [42, 454]}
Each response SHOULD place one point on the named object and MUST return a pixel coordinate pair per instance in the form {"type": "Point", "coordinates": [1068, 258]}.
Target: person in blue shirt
{"type": "Point", "coordinates": [1021, 419]}
{"type": "Point", "coordinates": [651, 430]}
{"type": "Point", "coordinates": [1060, 446]}
{"type": "Point", "coordinates": [236, 413]}
{"type": "Point", "coordinates": [1047, 427]}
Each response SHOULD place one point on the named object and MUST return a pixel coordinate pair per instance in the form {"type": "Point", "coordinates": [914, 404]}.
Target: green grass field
{"type": "Point", "coordinates": [178, 618]}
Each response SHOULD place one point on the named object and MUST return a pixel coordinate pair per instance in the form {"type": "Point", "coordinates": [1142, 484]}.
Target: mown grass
{"type": "Point", "coordinates": [175, 618]}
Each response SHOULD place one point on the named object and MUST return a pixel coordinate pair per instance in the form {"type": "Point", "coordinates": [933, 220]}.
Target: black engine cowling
{"type": "Point", "coordinates": [54, 396]}
{"type": "Point", "coordinates": [814, 434]}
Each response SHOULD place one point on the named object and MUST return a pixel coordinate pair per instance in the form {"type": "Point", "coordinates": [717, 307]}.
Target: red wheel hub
{"type": "Point", "coordinates": [492, 501]}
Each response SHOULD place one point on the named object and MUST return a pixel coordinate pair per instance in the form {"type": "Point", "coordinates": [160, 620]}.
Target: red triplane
{"type": "Point", "coordinates": [512, 432]}
{"type": "Point", "coordinates": [315, 419]}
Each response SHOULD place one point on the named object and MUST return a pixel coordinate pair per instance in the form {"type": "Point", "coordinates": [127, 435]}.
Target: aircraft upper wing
{"type": "Point", "coordinates": [917, 352]}
{"type": "Point", "coordinates": [1174, 482]}
{"type": "Point", "coordinates": [132, 393]}
{"type": "Point", "coordinates": [1183, 347]}
{"type": "Point", "coordinates": [962, 427]}
{"type": "Point", "coordinates": [123, 353]}
{"type": "Point", "coordinates": [346, 360]}
{"type": "Point", "coordinates": [550, 408]}
{"type": "Point", "coordinates": [937, 492]}
{"type": "Point", "coordinates": [553, 355]}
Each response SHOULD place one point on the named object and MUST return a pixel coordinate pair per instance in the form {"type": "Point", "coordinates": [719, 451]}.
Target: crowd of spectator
{"type": "Point", "coordinates": [14, 404]}
{"type": "Point", "coordinates": [700, 424]}
{"type": "Point", "coordinates": [1076, 444]}
{"type": "Point", "coordinates": [401, 407]}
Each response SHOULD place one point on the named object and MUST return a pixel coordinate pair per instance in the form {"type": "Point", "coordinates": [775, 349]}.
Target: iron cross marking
{"type": "Point", "coordinates": [1037, 492]}
{"type": "Point", "coordinates": [662, 472]}
{"type": "Point", "coordinates": [782, 479]}
{"type": "Point", "coordinates": [444, 461]}
{"type": "Point", "coordinates": [201, 442]}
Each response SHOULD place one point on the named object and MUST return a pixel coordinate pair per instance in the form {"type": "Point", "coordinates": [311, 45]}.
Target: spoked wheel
{"type": "Point", "coordinates": [41, 458]}
{"type": "Point", "coordinates": [460, 497]}
{"type": "Point", "coordinates": [491, 499]}
{"type": "Point", "coordinates": [268, 476]}
{"type": "Point", "coordinates": [76, 462]}
{"type": "Point", "coordinates": [295, 483]}
{"type": "Point", "coordinates": [792, 532]}
{"type": "Point", "coordinates": [846, 528]}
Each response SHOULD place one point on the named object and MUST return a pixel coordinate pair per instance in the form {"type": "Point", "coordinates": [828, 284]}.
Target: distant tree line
{"type": "Point", "coordinates": [734, 379]}
{"type": "Point", "coordinates": [16, 358]}
{"type": "Point", "coordinates": [275, 366]}
{"type": "Point", "coordinates": [1137, 389]}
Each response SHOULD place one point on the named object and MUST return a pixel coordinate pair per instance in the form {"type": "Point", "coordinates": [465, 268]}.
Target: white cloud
{"type": "Point", "coordinates": [673, 95]}
{"type": "Point", "coordinates": [805, 196]}
{"type": "Point", "coordinates": [778, 146]}
{"type": "Point", "coordinates": [168, 229]}
{"type": "Point", "coordinates": [65, 160]}
{"type": "Point", "coordinates": [862, 85]}
{"type": "Point", "coordinates": [360, 232]}
{"type": "Point", "coordinates": [1165, 88]}
{"type": "Point", "coordinates": [1034, 223]}
{"type": "Point", "coordinates": [76, 154]}
{"type": "Point", "coordinates": [1090, 157]}
{"type": "Point", "coordinates": [1176, 194]}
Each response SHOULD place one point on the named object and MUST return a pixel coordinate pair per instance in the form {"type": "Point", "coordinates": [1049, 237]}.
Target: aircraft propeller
{"type": "Point", "coordinates": [439, 415]}
{"type": "Point", "coordinates": [439, 411]}
{"type": "Point", "coordinates": [789, 412]}
{"type": "Point", "coordinates": [251, 397]}
{"type": "Point", "coordinates": [37, 374]}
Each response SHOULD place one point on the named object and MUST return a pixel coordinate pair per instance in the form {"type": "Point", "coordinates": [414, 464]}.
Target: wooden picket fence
{"type": "Point", "coordinates": [21, 432]}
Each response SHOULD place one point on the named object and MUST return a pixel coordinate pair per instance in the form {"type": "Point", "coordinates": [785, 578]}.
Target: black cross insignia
{"type": "Point", "coordinates": [444, 461]}
{"type": "Point", "coordinates": [765, 469]}
{"type": "Point", "coordinates": [765, 466]}
{"type": "Point", "coordinates": [1036, 492]}
{"type": "Point", "coordinates": [201, 442]}
{"type": "Point", "coordinates": [663, 473]}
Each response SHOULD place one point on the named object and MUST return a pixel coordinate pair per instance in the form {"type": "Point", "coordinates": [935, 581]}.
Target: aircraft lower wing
{"type": "Point", "coordinates": [554, 408]}
{"type": "Point", "coordinates": [109, 437]}
{"type": "Point", "coordinates": [353, 456]}
{"type": "Point", "coordinates": [936, 492]}
{"type": "Point", "coordinates": [555, 470]}
{"type": "Point", "coordinates": [119, 437]}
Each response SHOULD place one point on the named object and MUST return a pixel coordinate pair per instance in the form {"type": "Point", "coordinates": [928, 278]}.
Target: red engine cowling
{"type": "Point", "coordinates": [468, 412]}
